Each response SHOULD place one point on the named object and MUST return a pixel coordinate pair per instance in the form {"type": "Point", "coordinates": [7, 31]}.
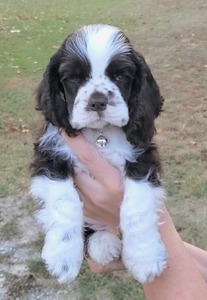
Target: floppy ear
{"type": "Point", "coordinates": [51, 98]}
{"type": "Point", "coordinates": [145, 104]}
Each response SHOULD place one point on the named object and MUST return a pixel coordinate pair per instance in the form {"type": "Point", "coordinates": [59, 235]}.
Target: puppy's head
{"type": "Point", "coordinates": [95, 79]}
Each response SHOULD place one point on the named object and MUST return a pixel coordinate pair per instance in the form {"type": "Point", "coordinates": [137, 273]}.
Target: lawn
{"type": "Point", "coordinates": [172, 37]}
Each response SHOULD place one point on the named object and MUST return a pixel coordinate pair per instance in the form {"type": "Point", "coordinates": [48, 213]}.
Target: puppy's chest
{"type": "Point", "coordinates": [117, 149]}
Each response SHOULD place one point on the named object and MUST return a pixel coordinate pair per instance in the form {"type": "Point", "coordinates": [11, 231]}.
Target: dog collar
{"type": "Point", "coordinates": [101, 141]}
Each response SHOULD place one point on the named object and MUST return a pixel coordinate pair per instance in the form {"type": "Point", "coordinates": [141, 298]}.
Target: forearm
{"type": "Point", "coordinates": [200, 258]}
{"type": "Point", "coordinates": [181, 280]}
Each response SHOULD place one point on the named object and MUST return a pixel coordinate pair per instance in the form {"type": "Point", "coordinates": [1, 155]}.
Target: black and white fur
{"type": "Point", "coordinates": [96, 82]}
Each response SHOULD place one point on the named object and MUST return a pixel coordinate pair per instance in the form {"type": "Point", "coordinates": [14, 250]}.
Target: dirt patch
{"type": "Point", "coordinates": [22, 271]}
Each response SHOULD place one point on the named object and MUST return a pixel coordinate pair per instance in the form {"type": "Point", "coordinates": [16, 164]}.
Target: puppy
{"type": "Point", "coordinates": [97, 84]}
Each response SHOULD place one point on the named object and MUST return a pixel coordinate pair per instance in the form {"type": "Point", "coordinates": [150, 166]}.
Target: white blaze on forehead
{"type": "Point", "coordinates": [99, 43]}
{"type": "Point", "coordinates": [103, 42]}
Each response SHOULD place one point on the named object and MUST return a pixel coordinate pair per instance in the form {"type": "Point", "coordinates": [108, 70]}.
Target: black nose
{"type": "Point", "coordinates": [98, 102]}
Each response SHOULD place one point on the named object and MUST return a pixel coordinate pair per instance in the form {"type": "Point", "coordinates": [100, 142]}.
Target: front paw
{"type": "Point", "coordinates": [145, 264]}
{"type": "Point", "coordinates": [63, 258]}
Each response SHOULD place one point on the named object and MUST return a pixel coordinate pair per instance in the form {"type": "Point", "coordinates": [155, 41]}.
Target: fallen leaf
{"type": "Point", "coordinates": [159, 130]}
{"type": "Point", "coordinates": [178, 161]}
{"type": "Point", "coordinates": [15, 30]}
{"type": "Point", "coordinates": [193, 143]}
{"type": "Point", "coordinates": [23, 128]}
{"type": "Point", "coordinates": [12, 128]}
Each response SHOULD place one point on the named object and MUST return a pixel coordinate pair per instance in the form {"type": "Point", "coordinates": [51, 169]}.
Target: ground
{"type": "Point", "coordinates": [172, 37]}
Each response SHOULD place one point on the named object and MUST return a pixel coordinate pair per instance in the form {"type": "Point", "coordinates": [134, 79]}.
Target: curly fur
{"type": "Point", "coordinates": [97, 82]}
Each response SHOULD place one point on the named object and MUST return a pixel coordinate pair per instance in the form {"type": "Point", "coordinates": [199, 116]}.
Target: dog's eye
{"type": "Point", "coordinates": [77, 79]}
{"type": "Point", "coordinates": [120, 77]}
{"type": "Point", "coordinates": [74, 79]}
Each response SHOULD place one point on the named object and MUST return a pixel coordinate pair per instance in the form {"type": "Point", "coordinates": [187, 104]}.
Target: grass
{"type": "Point", "coordinates": [36, 245]}
{"type": "Point", "coordinates": [17, 120]}
{"type": "Point", "coordinates": [19, 285]}
{"type": "Point", "coordinates": [117, 286]}
{"type": "Point", "coordinates": [37, 267]}
{"type": "Point", "coordinates": [9, 230]}
{"type": "Point", "coordinates": [4, 259]}
{"type": "Point", "coordinates": [178, 178]}
{"type": "Point", "coordinates": [31, 31]}
{"type": "Point", "coordinates": [172, 37]}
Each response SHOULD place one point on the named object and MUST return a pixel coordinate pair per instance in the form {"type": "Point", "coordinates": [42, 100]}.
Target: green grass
{"type": "Point", "coordinates": [9, 230]}
{"type": "Point", "coordinates": [38, 268]}
{"type": "Point", "coordinates": [20, 285]}
{"type": "Point", "coordinates": [14, 172]}
{"type": "Point", "coordinates": [179, 182]}
{"type": "Point", "coordinates": [31, 31]}
{"type": "Point", "coordinates": [37, 245]}
{"type": "Point", "coordinates": [117, 286]}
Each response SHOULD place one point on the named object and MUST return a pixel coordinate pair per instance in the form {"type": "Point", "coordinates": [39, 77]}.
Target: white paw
{"type": "Point", "coordinates": [63, 258]}
{"type": "Point", "coordinates": [104, 247]}
{"type": "Point", "coordinates": [145, 264]}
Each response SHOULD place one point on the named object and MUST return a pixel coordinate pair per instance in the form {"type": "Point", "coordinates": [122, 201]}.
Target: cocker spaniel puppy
{"type": "Point", "coordinates": [97, 84]}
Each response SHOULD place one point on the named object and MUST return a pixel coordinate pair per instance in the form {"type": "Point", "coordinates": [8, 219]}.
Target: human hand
{"type": "Point", "coordinates": [102, 192]}
{"type": "Point", "coordinates": [115, 265]}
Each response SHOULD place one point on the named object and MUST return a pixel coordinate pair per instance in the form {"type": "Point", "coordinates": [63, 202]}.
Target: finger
{"type": "Point", "coordinates": [90, 210]}
{"type": "Point", "coordinates": [94, 161]}
{"type": "Point", "coordinates": [97, 193]}
{"type": "Point", "coordinates": [99, 269]}
{"type": "Point", "coordinates": [88, 207]}
{"type": "Point", "coordinates": [94, 212]}
{"type": "Point", "coordinates": [88, 185]}
{"type": "Point", "coordinates": [98, 199]}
